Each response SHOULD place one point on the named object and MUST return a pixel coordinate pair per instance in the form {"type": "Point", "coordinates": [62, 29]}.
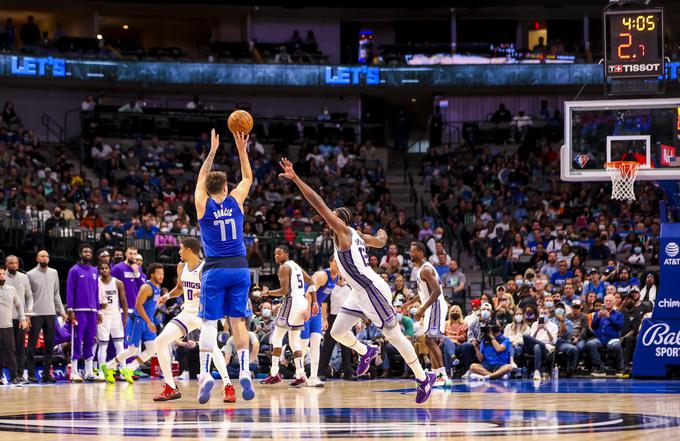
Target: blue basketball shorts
{"type": "Point", "coordinates": [314, 324]}
{"type": "Point", "coordinates": [137, 331]}
{"type": "Point", "coordinates": [224, 293]}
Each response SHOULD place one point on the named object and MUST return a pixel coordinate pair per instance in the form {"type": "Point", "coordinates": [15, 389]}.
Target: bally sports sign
{"type": "Point", "coordinates": [665, 341]}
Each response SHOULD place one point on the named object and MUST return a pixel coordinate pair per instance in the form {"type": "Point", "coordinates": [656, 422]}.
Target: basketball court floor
{"type": "Point", "coordinates": [602, 409]}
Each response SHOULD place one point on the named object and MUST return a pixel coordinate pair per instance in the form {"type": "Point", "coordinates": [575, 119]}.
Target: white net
{"type": "Point", "coordinates": [623, 174]}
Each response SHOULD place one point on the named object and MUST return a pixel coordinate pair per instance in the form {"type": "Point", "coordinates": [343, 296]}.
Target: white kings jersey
{"type": "Point", "coordinates": [354, 267]}
{"type": "Point", "coordinates": [423, 289]}
{"type": "Point", "coordinates": [108, 295]}
{"type": "Point", "coordinates": [297, 280]}
{"type": "Point", "coordinates": [191, 286]}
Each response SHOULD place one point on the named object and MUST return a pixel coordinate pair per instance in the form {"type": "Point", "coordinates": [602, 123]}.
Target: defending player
{"type": "Point", "coordinates": [188, 284]}
{"type": "Point", "coordinates": [371, 297]}
{"type": "Point", "coordinates": [433, 308]}
{"type": "Point", "coordinates": [112, 300]}
{"type": "Point", "coordinates": [291, 318]}
{"type": "Point", "coordinates": [225, 279]}
{"type": "Point", "coordinates": [139, 327]}
{"type": "Point", "coordinates": [324, 281]}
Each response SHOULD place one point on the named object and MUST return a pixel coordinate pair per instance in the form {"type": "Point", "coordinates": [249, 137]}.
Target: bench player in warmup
{"type": "Point", "coordinates": [225, 280]}
{"type": "Point", "coordinates": [433, 308]}
{"type": "Point", "coordinates": [189, 285]}
{"type": "Point", "coordinates": [139, 328]}
{"type": "Point", "coordinates": [112, 300]}
{"type": "Point", "coordinates": [324, 281]}
{"type": "Point", "coordinates": [371, 296]}
{"type": "Point", "coordinates": [293, 313]}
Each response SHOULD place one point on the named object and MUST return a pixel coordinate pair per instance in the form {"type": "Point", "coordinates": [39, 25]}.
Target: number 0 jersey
{"type": "Point", "coordinates": [222, 229]}
{"type": "Point", "coordinates": [191, 287]}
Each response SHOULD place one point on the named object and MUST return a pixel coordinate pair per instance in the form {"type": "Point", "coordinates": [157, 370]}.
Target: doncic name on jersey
{"type": "Point", "coordinates": [222, 212]}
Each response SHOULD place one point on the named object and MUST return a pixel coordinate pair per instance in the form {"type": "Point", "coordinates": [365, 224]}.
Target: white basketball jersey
{"type": "Point", "coordinates": [297, 280]}
{"type": "Point", "coordinates": [108, 295]}
{"type": "Point", "coordinates": [423, 289]}
{"type": "Point", "coordinates": [354, 267]}
{"type": "Point", "coordinates": [191, 287]}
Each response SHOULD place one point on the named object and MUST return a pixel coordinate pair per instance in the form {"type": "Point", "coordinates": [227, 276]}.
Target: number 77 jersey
{"type": "Point", "coordinates": [191, 286]}
{"type": "Point", "coordinates": [222, 229]}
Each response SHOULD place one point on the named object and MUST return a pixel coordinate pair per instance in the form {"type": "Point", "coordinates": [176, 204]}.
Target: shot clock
{"type": "Point", "coordinates": [634, 43]}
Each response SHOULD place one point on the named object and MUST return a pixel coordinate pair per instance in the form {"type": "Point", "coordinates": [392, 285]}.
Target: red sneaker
{"type": "Point", "coordinates": [271, 380]}
{"type": "Point", "coordinates": [168, 394]}
{"type": "Point", "coordinates": [299, 382]}
{"type": "Point", "coordinates": [229, 394]}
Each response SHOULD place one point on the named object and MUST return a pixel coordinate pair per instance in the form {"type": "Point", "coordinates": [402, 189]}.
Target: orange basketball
{"type": "Point", "coordinates": [240, 121]}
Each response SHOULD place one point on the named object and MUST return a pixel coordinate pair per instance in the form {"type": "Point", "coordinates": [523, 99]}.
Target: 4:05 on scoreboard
{"type": "Point", "coordinates": [634, 43]}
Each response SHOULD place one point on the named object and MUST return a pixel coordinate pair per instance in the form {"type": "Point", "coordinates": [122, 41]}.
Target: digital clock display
{"type": "Point", "coordinates": [634, 45]}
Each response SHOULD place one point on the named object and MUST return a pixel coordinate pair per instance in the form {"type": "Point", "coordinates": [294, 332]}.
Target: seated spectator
{"type": "Point", "coordinates": [581, 325]}
{"type": "Point", "coordinates": [637, 259]}
{"type": "Point", "coordinates": [475, 305]}
{"type": "Point", "coordinates": [164, 241]}
{"type": "Point", "coordinates": [311, 40]}
{"type": "Point", "coordinates": [504, 311]}
{"type": "Point", "coordinates": [435, 243]}
{"type": "Point", "coordinates": [438, 249]}
{"type": "Point", "coordinates": [494, 355]}
{"type": "Point", "coordinates": [520, 125]}
{"type": "Point", "coordinates": [501, 115]}
{"type": "Point", "coordinates": [147, 230]}
{"type": "Point", "coordinates": [469, 348]}
{"type": "Point", "coordinates": [231, 356]}
{"type": "Point", "coordinates": [540, 48]}
{"type": "Point", "coordinates": [515, 331]}
{"type": "Point", "coordinates": [648, 292]}
{"type": "Point", "coordinates": [633, 311]}
{"type": "Point", "coordinates": [599, 250]}
{"type": "Point", "coordinates": [560, 277]}
{"type": "Point", "coordinates": [9, 116]}
{"type": "Point", "coordinates": [625, 282]}
{"type": "Point", "coordinates": [607, 324]}
{"type": "Point", "coordinates": [400, 293]}
{"type": "Point", "coordinates": [282, 56]}
{"type": "Point", "coordinates": [594, 284]}
{"type": "Point", "coordinates": [565, 329]}
{"type": "Point", "coordinates": [540, 340]}
{"type": "Point", "coordinates": [453, 281]}
{"type": "Point", "coordinates": [195, 104]}
{"type": "Point", "coordinates": [455, 334]}
{"type": "Point", "coordinates": [441, 267]}
{"type": "Point", "coordinates": [392, 261]}
{"type": "Point", "coordinates": [92, 220]}
{"type": "Point", "coordinates": [550, 266]}
{"type": "Point", "coordinates": [88, 104]}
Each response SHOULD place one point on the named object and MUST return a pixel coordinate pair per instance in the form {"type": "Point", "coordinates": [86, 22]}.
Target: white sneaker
{"type": "Point", "coordinates": [505, 377]}
{"type": "Point", "coordinates": [184, 376]}
{"type": "Point", "coordinates": [440, 381]}
{"type": "Point", "coordinates": [478, 377]}
{"type": "Point", "coordinates": [314, 382]}
{"type": "Point", "coordinates": [205, 385]}
{"type": "Point", "coordinates": [99, 378]}
{"type": "Point", "coordinates": [466, 375]}
{"type": "Point", "coordinates": [537, 376]}
{"type": "Point", "coordinates": [75, 377]}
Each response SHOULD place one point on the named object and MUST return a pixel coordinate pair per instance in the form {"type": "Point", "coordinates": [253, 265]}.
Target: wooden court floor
{"type": "Point", "coordinates": [603, 409]}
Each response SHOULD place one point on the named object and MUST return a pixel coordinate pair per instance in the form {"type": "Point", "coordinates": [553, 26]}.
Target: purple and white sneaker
{"type": "Point", "coordinates": [424, 387]}
{"type": "Point", "coordinates": [365, 360]}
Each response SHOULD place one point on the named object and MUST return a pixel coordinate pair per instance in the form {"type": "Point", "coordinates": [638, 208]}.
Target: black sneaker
{"type": "Point", "coordinates": [32, 379]}
{"type": "Point", "coordinates": [18, 382]}
{"type": "Point", "coordinates": [48, 379]}
{"type": "Point", "coordinates": [598, 373]}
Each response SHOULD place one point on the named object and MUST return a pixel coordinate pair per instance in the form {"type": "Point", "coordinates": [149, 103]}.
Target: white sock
{"type": "Point", "coordinates": [244, 362]}
{"type": "Point", "coordinates": [405, 348]}
{"type": "Point", "coordinates": [218, 361]}
{"type": "Point", "coordinates": [314, 353]}
{"type": "Point", "coordinates": [299, 369]}
{"type": "Point", "coordinates": [118, 344]}
{"type": "Point", "coordinates": [102, 346]}
{"type": "Point", "coordinates": [74, 366]}
{"type": "Point", "coordinates": [207, 342]}
{"type": "Point", "coordinates": [274, 371]}
{"type": "Point", "coordinates": [89, 365]}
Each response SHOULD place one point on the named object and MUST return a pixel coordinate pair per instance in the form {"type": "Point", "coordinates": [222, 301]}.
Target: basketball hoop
{"type": "Point", "coordinates": [623, 174]}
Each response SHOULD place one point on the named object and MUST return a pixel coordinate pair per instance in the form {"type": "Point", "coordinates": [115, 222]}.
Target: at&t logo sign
{"type": "Point", "coordinates": [672, 249]}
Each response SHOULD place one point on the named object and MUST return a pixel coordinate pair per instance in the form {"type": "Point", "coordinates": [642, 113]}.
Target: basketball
{"type": "Point", "coordinates": [240, 121]}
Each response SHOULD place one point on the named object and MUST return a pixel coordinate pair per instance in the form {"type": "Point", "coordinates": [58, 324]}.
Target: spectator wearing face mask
{"type": "Point", "coordinates": [541, 340]}
{"type": "Point", "coordinates": [557, 243]}
{"type": "Point", "coordinates": [515, 332]}
{"type": "Point", "coordinates": [565, 329]}
{"type": "Point", "coordinates": [455, 335]}
{"type": "Point", "coordinates": [467, 350]}
{"type": "Point", "coordinates": [637, 259]}
{"type": "Point", "coordinates": [504, 311]}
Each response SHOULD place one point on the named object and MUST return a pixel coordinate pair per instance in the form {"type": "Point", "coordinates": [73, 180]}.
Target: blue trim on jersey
{"type": "Point", "coordinates": [325, 290]}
